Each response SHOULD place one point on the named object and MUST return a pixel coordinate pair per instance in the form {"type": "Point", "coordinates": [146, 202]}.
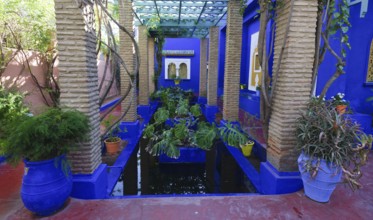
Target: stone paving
{"type": "Point", "coordinates": [344, 204]}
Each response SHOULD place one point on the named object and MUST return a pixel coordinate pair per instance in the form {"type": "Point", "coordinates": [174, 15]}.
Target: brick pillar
{"type": "Point", "coordinates": [151, 64]}
{"type": "Point", "coordinates": [143, 72]}
{"type": "Point", "coordinates": [212, 78]}
{"type": "Point", "coordinates": [294, 81]}
{"type": "Point", "coordinates": [78, 77]}
{"type": "Point", "coordinates": [126, 52]}
{"type": "Point", "coordinates": [202, 68]}
{"type": "Point", "coordinates": [232, 66]}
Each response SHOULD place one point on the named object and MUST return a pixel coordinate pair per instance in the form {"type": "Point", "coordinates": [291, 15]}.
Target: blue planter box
{"type": "Point", "coordinates": [187, 155]}
{"type": "Point", "coordinates": [2, 159]}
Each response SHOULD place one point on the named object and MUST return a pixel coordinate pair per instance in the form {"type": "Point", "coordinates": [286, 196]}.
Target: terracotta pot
{"type": "Point", "coordinates": [341, 109]}
{"type": "Point", "coordinates": [112, 147]}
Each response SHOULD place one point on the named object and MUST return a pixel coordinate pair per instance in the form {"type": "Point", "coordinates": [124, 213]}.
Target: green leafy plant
{"type": "Point", "coordinates": [182, 108]}
{"type": "Point", "coordinates": [52, 133]}
{"type": "Point", "coordinates": [11, 106]}
{"type": "Point", "coordinates": [205, 135]}
{"type": "Point", "coordinates": [196, 110]}
{"type": "Point", "coordinates": [112, 135]}
{"type": "Point", "coordinates": [233, 135]}
{"type": "Point", "coordinates": [322, 133]}
{"type": "Point", "coordinates": [174, 125]}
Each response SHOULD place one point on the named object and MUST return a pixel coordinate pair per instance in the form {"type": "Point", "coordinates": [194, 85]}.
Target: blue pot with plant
{"type": "Point", "coordinates": [42, 141]}
{"type": "Point", "coordinates": [332, 145]}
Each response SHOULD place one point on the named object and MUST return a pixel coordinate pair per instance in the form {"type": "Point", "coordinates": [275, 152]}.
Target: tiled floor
{"type": "Point", "coordinates": [344, 204]}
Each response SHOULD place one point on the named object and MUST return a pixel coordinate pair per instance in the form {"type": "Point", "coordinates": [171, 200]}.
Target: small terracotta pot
{"type": "Point", "coordinates": [341, 109]}
{"type": "Point", "coordinates": [112, 147]}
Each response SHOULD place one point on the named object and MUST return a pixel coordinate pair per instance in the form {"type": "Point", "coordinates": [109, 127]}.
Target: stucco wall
{"type": "Point", "coordinates": [19, 77]}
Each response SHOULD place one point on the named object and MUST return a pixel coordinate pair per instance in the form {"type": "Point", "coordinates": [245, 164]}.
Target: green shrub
{"type": "Point", "coordinates": [45, 136]}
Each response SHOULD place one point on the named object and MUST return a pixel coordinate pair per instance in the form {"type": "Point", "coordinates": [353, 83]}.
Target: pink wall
{"type": "Point", "coordinates": [100, 68]}
{"type": "Point", "coordinates": [18, 76]}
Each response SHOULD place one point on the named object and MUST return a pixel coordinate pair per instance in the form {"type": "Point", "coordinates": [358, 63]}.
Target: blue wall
{"type": "Point", "coordinates": [221, 60]}
{"type": "Point", "coordinates": [183, 44]}
{"type": "Point", "coordinates": [353, 82]}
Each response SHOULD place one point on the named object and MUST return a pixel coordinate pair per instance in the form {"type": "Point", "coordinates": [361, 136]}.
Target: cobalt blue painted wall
{"type": "Point", "coordinates": [353, 82]}
{"type": "Point", "coordinates": [183, 44]}
{"type": "Point", "coordinates": [221, 60]}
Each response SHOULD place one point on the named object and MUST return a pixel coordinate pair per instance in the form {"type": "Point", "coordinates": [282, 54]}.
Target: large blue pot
{"type": "Point", "coordinates": [46, 185]}
{"type": "Point", "coordinates": [321, 187]}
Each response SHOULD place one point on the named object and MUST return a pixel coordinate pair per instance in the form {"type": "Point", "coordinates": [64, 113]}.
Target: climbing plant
{"type": "Point", "coordinates": [154, 30]}
{"type": "Point", "coordinates": [332, 21]}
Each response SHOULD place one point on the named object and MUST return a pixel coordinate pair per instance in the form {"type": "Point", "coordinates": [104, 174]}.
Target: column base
{"type": "Point", "coordinates": [144, 111]}
{"type": "Point", "coordinates": [91, 186]}
{"type": "Point", "coordinates": [210, 111]}
{"type": "Point", "coordinates": [202, 100]}
{"type": "Point", "coordinates": [132, 129]}
{"type": "Point", "coordinates": [276, 182]}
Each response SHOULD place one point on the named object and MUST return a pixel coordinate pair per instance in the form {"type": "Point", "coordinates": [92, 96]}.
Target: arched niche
{"type": "Point", "coordinates": [182, 68]}
{"type": "Point", "coordinates": [183, 71]}
{"type": "Point", "coordinates": [171, 70]}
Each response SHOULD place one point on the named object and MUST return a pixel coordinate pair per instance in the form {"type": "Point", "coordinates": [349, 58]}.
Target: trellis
{"type": "Point", "coordinates": [190, 18]}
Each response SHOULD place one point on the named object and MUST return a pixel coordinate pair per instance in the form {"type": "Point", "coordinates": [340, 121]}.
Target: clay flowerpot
{"type": "Point", "coordinates": [247, 148]}
{"type": "Point", "coordinates": [112, 145]}
{"type": "Point", "coordinates": [341, 109]}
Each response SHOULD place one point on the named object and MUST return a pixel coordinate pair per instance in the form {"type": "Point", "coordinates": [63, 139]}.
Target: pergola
{"type": "Point", "coordinates": [190, 18]}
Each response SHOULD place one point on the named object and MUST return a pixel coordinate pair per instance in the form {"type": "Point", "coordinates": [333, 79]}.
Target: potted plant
{"type": "Point", "coordinates": [235, 137]}
{"type": "Point", "coordinates": [331, 145]}
{"type": "Point", "coordinates": [42, 141]}
{"type": "Point", "coordinates": [340, 103]}
{"type": "Point", "coordinates": [177, 80]}
{"type": "Point", "coordinates": [112, 141]}
{"type": "Point", "coordinates": [243, 86]}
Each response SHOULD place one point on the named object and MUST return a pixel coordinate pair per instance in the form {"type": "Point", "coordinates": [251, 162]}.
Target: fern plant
{"type": "Point", "coordinates": [11, 107]}
{"type": "Point", "coordinates": [52, 133]}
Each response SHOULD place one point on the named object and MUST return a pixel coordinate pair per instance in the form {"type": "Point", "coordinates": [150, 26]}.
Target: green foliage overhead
{"type": "Point", "coordinates": [33, 23]}
{"type": "Point", "coordinates": [45, 136]}
{"type": "Point", "coordinates": [11, 107]}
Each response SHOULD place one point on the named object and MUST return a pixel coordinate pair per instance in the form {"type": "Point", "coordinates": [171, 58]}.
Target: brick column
{"type": "Point", "coordinates": [202, 68]}
{"type": "Point", "coordinates": [78, 77]}
{"type": "Point", "coordinates": [232, 66]}
{"type": "Point", "coordinates": [151, 64]}
{"type": "Point", "coordinates": [143, 72]}
{"type": "Point", "coordinates": [126, 52]}
{"type": "Point", "coordinates": [294, 80]}
{"type": "Point", "coordinates": [212, 78]}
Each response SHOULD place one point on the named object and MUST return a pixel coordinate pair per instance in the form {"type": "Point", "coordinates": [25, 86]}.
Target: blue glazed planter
{"type": "Point", "coordinates": [45, 187]}
{"type": "Point", "coordinates": [322, 186]}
